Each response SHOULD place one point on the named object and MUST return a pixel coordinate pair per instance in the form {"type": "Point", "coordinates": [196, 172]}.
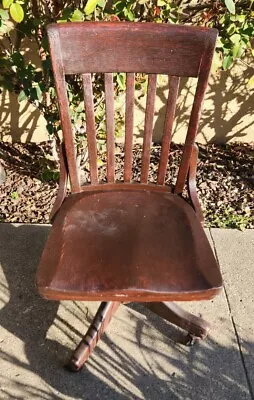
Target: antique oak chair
{"type": "Point", "coordinates": [120, 242]}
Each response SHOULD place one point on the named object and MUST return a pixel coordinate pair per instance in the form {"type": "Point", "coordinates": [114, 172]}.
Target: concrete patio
{"type": "Point", "coordinates": [138, 357]}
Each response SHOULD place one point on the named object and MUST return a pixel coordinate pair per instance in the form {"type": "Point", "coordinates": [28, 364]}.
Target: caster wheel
{"type": "Point", "coordinates": [191, 340]}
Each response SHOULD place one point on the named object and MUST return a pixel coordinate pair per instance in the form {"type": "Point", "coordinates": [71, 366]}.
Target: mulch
{"type": "Point", "coordinates": [225, 180]}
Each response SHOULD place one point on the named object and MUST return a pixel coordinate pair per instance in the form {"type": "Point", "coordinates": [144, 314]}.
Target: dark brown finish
{"type": "Point", "coordinates": [191, 183]}
{"type": "Point", "coordinates": [63, 178]}
{"type": "Point", "coordinates": [150, 48]}
{"type": "Point", "coordinates": [174, 54]}
{"type": "Point", "coordinates": [109, 100]}
{"type": "Point", "coordinates": [120, 242]}
{"type": "Point", "coordinates": [168, 128]}
{"type": "Point", "coordinates": [95, 330]}
{"type": "Point", "coordinates": [129, 120]}
{"type": "Point", "coordinates": [90, 127]}
{"type": "Point", "coordinates": [58, 70]}
{"type": "Point", "coordinates": [195, 326]}
{"type": "Point", "coordinates": [148, 129]}
{"type": "Point", "coordinates": [194, 118]}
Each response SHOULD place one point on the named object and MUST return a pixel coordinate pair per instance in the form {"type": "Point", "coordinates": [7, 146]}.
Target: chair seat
{"type": "Point", "coordinates": [127, 245]}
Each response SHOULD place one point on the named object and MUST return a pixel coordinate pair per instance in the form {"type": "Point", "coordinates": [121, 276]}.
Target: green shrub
{"type": "Point", "coordinates": [22, 21]}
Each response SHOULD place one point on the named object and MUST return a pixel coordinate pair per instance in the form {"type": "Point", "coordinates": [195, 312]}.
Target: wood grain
{"type": "Point", "coordinates": [110, 124]}
{"type": "Point", "coordinates": [90, 127]}
{"type": "Point", "coordinates": [148, 128]}
{"type": "Point", "coordinates": [168, 128]}
{"type": "Point", "coordinates": [129, 121]}
{"type": "Point", "coordinates": [132, 47]}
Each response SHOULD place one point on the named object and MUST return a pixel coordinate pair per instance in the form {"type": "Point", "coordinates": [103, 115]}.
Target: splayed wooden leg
{"type": "Point", "coordinates": [96, 329]}
{"type": "Point", "coordinates": [195, 326]}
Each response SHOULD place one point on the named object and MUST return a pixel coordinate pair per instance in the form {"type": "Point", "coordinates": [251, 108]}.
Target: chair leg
{"type": "Point", "coordinates": [196, 327]}
{"type": "Point", "coordinates": [96, 329]}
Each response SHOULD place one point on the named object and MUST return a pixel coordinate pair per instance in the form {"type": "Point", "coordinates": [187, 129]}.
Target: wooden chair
{"type": "Point", "coordinates": [121, 242]}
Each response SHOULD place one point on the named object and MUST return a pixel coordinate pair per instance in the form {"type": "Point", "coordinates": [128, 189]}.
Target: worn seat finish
{"type": "Point", "coordinates": [127, 245]}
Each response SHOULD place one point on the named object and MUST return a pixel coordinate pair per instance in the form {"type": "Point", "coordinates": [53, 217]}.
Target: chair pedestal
{"type": "Point", "coordinates": [96, 329]}
{"type": "Point", "coordinates": [196, 327]}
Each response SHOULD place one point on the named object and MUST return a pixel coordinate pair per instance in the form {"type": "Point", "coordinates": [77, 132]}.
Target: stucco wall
{"type": "Point", "coordinates": [227, 112]}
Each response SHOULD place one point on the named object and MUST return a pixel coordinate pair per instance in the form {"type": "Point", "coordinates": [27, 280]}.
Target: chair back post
{"type": "Point", "coordinates": [205, 67]}
{"type": "Point", "coordinates": [59, 76]}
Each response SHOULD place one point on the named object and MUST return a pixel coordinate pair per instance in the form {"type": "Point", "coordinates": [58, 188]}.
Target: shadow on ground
{"type": "Point", "coordinates": [137, 358]}
{"type": "Point", "coordinates": [15, 119]}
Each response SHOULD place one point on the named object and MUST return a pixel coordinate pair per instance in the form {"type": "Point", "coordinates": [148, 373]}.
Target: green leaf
{"type": "Point", "coordinates": [45, 43]}
{"type": "Point", "coordinates": [46, 64]}
{"type": "Point", "coordinates": [219, 43]}
{"type": "Point", "coordinates": [17, 12]}
{"type": "Point", "coordinates": [237, 50]}
{"type": "Point", "coordinates": [33, 94]}
{"type": "Point", "coordinates": [49, 175]}
{"type": "Point", "coordinates": [129, 14]}
{"type": "Point", "coordinates": [80, 107]}
{"type": "Point", "coordinates": [240, 18]}
{"type": "Point", "coordinates": [14, 195]}
{"type": "Point", "coordinates": [90, 6]}
{"type": "Point", "coordinates": [4, 14]}
{"type": "Point", "coordinates": [22, 96]}
{"type": "Point", "coordinates": [38, 92]}
{"type": "Point", "coordinates": [161, 3]}
{"type": "Point", "coordinates": [52, 92]}
{"type": "Point", "coordinates": [222, 19]}
{"type": "Point", "coordinates": [230, 6]}
{"type": "Point", "coordinates": [216, 64]}
{"type": "Point", "coordinates": [231, 29]}
{"type": "Point", "coordinates": [235, 38]}
{"type": "Point", "coordinates": [102, 3]}
{"type": "Point", "coordinates": [250, 83]}
{"type": "Point", "coordinates": [77, 16]}
{"type": "Point", "coordinates": [36, 22]}
{"type": "Point", "coordinates": [228, 60]}
{"type": "Point", "coordinates": [7, 3]}
{"type": "Point", "coordinates": [121, 81]}
{"type": "Point", "coordinates": [4, 29]}
{"type": "Point", "coordinates": [67, 13]}
{"type": "Point", "coordinates": [18, 59]}
{"type": "Point", "coordinates": [50, 128]}
{"type": "Point", "coordinates": [7, 85]}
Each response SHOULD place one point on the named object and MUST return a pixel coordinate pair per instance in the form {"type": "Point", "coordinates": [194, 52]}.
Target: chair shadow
{"type": "Point", "coordinates": [113, 371]}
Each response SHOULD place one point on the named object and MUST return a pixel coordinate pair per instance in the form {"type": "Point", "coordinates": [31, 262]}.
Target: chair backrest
{"type": "Point", "coordinates": [107, 47]}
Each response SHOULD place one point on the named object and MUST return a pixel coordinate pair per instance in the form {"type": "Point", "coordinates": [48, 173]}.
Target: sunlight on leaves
{"type": "Point", "coordinates": [17, 12]}
{"type": "Point", "coordinates": [230, 6]}
{"type": "Point", "coordinates": [90, 6]}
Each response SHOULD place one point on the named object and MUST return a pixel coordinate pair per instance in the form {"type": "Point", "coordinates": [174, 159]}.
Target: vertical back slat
{"type": "Point", "coordinates": [168, 128]}
{"type": "Point", "coordinates": [148, 131]}
{"type": "Point", "coordinates": [110, 124]}
{"type": "Point", "coordinates": [90, 127]}
{"type": "Point", "coordinates": [129, 120]}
